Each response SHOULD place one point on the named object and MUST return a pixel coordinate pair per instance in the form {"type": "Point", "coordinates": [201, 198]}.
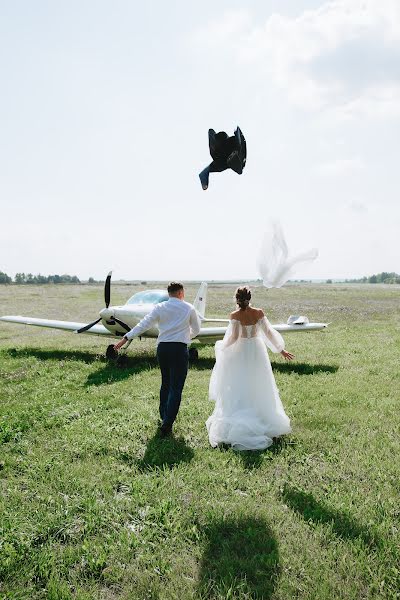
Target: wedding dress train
{"type": "Point", "coordinates": [248, 411]}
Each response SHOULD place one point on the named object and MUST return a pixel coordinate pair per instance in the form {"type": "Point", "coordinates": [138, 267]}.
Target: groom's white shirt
{"type": "Point", "coordinates": [177, 321]}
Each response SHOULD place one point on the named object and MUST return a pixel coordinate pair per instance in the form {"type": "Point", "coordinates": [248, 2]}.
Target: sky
{"type": "Point", "coordinates": [104, 113]}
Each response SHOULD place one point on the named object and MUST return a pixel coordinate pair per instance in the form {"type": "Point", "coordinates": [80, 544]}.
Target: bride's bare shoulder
{"type": "Point", "coordinates": [260, 312]}
{"type": "Point", "coordinates": [235, 315]}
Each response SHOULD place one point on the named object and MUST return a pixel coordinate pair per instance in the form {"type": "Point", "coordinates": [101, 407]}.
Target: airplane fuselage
{"type": "Point", "coordinates": [131, 315]}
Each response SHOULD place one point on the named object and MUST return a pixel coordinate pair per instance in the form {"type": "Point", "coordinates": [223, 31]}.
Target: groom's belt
{"type": "Point", "coordinates": [180, 343]}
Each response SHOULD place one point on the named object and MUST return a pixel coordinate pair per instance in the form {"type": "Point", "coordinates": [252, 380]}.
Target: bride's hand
{"type": "Point", "coordinates": [287, 355]}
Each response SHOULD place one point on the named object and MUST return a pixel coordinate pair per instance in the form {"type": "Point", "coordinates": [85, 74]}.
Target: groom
{"type": "Point", "coordinates": [177, 323]}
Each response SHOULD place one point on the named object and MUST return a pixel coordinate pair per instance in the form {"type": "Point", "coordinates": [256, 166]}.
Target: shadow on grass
{"type": "Point", "coordinates": [342, 524]}
{"type": "Point", "coordinates": [107, 375]}
{"type": "Point", "coordinates": [44, 354]}
{"type": "Point", "coordinates": [241, 559]}
{"type": "Point", "coordinates": [147, 360]}
{"type": "Point", "coordinates": [303, 368]}
{"type": "Point", "coordinates": [109, 372]}
{"type": "Point", "coordinates": [162, 453]}
{"type": "Point", "coordinates": [253, 459]}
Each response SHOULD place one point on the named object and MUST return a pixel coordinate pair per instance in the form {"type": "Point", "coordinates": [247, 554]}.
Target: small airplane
{"type": "Point", "coordinates": [117, 320]}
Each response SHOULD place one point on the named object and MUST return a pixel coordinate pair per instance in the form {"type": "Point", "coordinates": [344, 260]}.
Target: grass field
{"type": "Point", "coordinates": [95, 506]}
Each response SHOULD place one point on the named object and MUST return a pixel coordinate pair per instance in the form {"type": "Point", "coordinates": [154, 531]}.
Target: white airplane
{"type": "Point", "coordinates": [117, 320]}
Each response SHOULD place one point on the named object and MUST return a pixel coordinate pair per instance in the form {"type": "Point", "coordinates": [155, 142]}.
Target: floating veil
{"type": "Point", "coordinates": [274, 264]}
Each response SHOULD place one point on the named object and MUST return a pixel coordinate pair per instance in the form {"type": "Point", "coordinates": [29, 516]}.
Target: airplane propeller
{"type": "Point", "coordinates": [107, 298]}
{"type": "Point", "coordinates": [124, 325]}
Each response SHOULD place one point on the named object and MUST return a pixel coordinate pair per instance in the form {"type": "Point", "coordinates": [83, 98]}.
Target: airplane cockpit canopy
{"type": "Point", "coordinates": [149, 297]}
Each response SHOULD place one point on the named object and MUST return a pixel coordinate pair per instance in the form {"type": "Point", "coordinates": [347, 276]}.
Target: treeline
{"type": "Point", "coordinates": [28, 278]}
{"type": "Point", "coordinates": [379, 278]}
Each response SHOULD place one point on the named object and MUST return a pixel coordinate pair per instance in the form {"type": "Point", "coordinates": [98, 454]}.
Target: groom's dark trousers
{"type": "Point", "coordinates": [173, 358]}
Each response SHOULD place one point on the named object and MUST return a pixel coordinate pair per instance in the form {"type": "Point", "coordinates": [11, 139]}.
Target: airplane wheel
{"type": "Point", "coordinates": [111, 353]}
{"type": "Point", "coordinates": [193, 354]}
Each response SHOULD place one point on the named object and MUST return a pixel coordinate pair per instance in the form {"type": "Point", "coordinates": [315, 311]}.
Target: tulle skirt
{"type": "Point", "coordinates": [248, 411]}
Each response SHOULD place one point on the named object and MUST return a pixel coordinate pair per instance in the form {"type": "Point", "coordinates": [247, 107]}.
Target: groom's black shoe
{"type": "Point", "coordinates": [204, 175]}
{"type": "Point", "coordinates": [165, 431]}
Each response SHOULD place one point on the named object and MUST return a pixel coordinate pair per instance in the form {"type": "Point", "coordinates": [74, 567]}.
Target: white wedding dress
{"type": "Point", "coordinates": [248, 411]}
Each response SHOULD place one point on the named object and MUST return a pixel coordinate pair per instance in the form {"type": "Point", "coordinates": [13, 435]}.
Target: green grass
{"type": "Point", "coordinates": [94, 505]}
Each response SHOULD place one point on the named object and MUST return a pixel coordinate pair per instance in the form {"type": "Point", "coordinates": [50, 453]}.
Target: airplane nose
{"type": "Point", "coordinates": [106, 313]}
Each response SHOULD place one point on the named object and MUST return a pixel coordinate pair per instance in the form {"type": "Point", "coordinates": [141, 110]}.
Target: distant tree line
{"type": "Point", "coordinates": [4, 278]}
{"type": "Point", "coordinates": [378, 278]}
{"type": "Point", "coordinates": [28, 278]}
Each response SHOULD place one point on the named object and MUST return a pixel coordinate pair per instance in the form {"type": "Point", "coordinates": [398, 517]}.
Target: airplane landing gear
{"type": "Point", "coordinates": [111, 353]}
{"type": "Point", "coordinates": [193, 354]}
{"type": "Point", "coordinates": [119, 358]}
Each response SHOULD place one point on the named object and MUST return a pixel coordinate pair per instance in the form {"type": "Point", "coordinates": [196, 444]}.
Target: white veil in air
{"type": "Point", "coordinates": [275, 266]}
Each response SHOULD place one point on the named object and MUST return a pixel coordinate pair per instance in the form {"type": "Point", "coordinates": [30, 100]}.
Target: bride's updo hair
{"type": "Point", "coordinates": [243, 297]}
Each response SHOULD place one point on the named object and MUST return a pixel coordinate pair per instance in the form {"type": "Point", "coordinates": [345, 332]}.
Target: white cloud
{"type": "Point", "coordinates": [340, 167]}
{"type": "Point", "coordinates": [358, 206]}
{"type": "Point", "coordinates": [377, 102]}
{"type": "Point", "coordinates": [342, 54]}
{"type": "Point", "coordinates": [220, 32]}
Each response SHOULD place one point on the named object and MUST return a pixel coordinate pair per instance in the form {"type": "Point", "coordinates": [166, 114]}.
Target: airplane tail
{"type": "Point", "coordinates": [200, 305]}
{"type": "Point", "coordinates": [201, 299]}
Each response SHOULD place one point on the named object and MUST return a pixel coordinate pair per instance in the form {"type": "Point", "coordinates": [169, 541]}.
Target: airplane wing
{"type": "Point", "coordinates": [205, 336]}
{"type": "Point", "coordinates": [211, 334]}
{"type": "Point", "coordinates": [284, 327]}
{"type": "Point", "coordinates": [206, 320]}
{"type": "Point", "coordinates": [63, 325]}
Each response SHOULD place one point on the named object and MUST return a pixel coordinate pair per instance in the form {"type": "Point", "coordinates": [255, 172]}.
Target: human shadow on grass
{"type": "Point", "coordinates": [343, 524]}
{"type": "Point", "coordinates": [241, 557]}
{"type": "Point", "coordinates": [303, 368]}
{"type": "Point", "coordinates": [162, 453]}
{"type": "Point", "coordinates": [253, 459]}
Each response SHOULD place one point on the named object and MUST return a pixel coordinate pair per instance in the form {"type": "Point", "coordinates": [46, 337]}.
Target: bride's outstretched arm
{"type": "Point", "coordinates": [273, 338]}
{"type": "Point", "coordinates": [276, 341]}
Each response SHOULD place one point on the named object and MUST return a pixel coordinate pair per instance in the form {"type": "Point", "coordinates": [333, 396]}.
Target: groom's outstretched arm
{"type": "Point", "coordinates": [146, 323]}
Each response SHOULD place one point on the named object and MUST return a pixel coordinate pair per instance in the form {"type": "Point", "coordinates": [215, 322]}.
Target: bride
{"type": "Point", "coordinates": [248, 411]}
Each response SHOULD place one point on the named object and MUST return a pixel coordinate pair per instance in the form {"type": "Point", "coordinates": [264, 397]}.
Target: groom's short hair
{"type": "Point", "coordinates": [174, 287]}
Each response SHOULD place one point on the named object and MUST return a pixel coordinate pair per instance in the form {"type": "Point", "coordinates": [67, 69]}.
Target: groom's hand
{"type": "Point", "coordinates": [120, 344]}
